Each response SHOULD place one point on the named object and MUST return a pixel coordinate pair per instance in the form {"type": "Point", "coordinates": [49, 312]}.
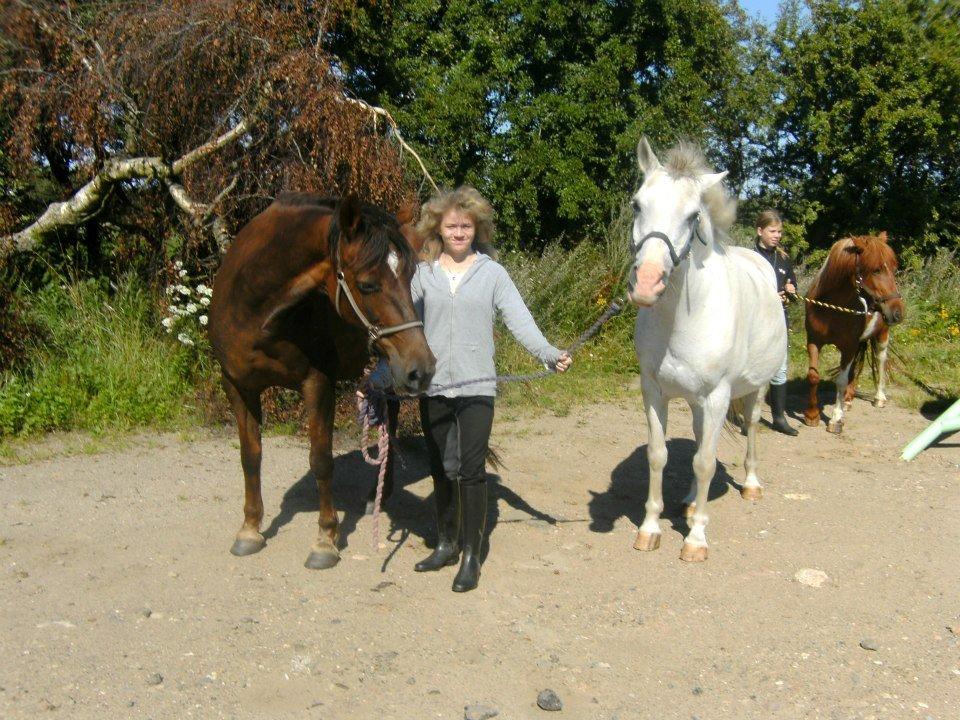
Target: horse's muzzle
{"type": "Point", "coordinates": [646, 284]}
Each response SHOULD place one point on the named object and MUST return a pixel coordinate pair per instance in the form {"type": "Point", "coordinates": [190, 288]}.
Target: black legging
{"type": "Point", "coordinates": [465, 422]}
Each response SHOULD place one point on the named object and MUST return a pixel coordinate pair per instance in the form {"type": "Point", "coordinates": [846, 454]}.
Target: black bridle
{"type": "Point", "coordinates": [374, 332]}
{"type": "Point", "coordinates": [694, 223]}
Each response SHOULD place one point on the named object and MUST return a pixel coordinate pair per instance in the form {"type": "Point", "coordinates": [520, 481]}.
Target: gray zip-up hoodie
{"type": "Point", "coordinates": [459, 326]}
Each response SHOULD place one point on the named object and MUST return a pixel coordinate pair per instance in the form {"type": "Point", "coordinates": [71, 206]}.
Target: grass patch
{"type": "Point", "coordinates": [101, 363]}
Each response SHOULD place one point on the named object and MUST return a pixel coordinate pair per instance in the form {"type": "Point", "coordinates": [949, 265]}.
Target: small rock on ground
{"type": "Point", "coordinates": [811, 577]}
{"type": "Point", "coordinates": [155, 679]}
{"type": "Point", "coordinates": [479, 711]}
{"type": "Point", "coordinates": [869, 644]}
{"type": "Point", "coordinates": [548, 700]}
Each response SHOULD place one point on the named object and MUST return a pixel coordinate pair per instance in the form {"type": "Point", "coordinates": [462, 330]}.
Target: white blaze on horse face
{"type": "Point", "coordinates": [393, 260]}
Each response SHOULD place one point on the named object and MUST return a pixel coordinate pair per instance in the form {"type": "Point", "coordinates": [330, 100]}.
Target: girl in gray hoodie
{"type": "Point", "coordinates": [456, 292]}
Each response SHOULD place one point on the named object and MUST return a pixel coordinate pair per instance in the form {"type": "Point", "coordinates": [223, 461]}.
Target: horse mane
{"type": "Point", "coordinates": [686, 160]}
{"type": "Point", "coordinates": [841, 265]}
{"type": "Point", "coordinates": [380, 230]}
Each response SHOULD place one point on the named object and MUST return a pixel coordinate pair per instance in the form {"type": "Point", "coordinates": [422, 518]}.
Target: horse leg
{"type": "Point", "coordinates": [843, 377]}
{"type": "Point", "coordinates": [246, 409]}
{"type": "Point", "coordinates": [811, 416]}
{"type": "Point", "coordinates": [707, 423]}
{"type": "Point", "coordinates": [752, 490]}
{"type": "Point", "coordinates": [393, 416]}
{"type": "Point", "coordinates": [883, 342]}
{"type": "Point", "coordinates": [851, 392]}
{"type": "Point", "coordinates": [318, 398]}
{"type": "Point", "coordinates": [648, 537]}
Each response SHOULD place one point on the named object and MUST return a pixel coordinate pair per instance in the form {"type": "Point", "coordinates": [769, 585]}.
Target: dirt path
{"type": "Point", "coordinates": [119, 598]}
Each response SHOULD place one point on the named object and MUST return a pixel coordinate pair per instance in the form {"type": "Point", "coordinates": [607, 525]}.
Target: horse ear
{"type": "Point", "coordinates": [710, 179]}
{"type": "Point", "coordinates": [646, 158]}
{"type": "Point", "coordinates": [883, 237]}
{"type": "Point", "coordinates": [348, 215]}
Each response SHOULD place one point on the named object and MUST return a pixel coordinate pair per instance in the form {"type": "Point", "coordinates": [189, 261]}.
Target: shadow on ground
{"type": "Point", "coordinates": [630, 482]}
{"type": "Point", "coordinates": [404, 514]}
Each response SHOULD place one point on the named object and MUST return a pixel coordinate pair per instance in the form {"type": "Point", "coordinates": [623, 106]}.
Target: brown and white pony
{"type": "Point", "coordinates": [858, 275]}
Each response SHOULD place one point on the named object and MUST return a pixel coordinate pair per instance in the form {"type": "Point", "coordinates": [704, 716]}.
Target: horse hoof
{"type": "Point", "coordinates": [248, 544]}
{"type": "Point", "coordinates": [647, 541]}
{"type": "Point", "coordinates": [322, 559]}
{"type": "Point", "coordinates": [811, 422]}
{"type": "Point", "coordinates": [751, 492]}
{"type": "Point", "coordinates": [835, 427]}
{"type": "Point", "coordinates": [688, 510]}
{"type": "Point", "coordinates": [693, 553]}
{"type": "Point", "coordinates": [847, 404]}
{"type": "Point", "coordinates": [880, 403]}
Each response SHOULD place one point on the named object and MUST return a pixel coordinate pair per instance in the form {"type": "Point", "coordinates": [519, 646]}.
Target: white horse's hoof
{"type": "Point", "coordinates": [847, 404]}
{"type": "Point", "coordinates": [688, 509]}
{"type": "Point", "coordinates": [751, 492]}
{"type": "Point", "coordinates": [835, 427]}
{"type": "Point", "coordinates": [647, 541]}
{"type": "Point", "coordinates": [693, 553]}
{"type": "Point", "coordinates": [880, 402]}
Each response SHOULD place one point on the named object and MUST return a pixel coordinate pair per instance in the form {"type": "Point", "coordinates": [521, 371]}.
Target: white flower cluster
{"type": "Point", "coordinates": [187, 307]}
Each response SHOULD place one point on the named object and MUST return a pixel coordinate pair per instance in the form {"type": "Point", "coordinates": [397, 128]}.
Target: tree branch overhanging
{"type": "Point", "coordinates": [88, 198]}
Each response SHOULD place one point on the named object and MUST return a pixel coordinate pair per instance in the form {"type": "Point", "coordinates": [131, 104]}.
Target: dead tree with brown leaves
{"type": "Point", "coordinates": [131, 122]}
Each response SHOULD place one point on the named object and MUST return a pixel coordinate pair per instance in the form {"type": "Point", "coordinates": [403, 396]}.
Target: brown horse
{"type": "Point", "coordinates": [309, 287]}
{"type": "Point", "coordinates": [858, 275]}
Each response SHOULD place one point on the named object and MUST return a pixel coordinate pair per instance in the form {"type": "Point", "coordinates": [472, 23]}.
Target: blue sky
{"type": "Point", "coordinates": [767, 9]}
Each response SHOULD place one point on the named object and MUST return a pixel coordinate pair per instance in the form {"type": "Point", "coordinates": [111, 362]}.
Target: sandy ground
{"type": "Point", "coordinates": [119, 598]}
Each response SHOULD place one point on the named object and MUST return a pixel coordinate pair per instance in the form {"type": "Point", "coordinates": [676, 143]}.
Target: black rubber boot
{"type": "Point", "coordinates": [447, 550]}
{"type": "Point", "coordinates": [778, 404]}
{"type": "Point", "coordinates": [473, 513]}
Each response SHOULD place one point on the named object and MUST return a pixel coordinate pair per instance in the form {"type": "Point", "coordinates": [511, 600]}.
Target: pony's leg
{"type": "Point", "coordinates": [811, 416]}
{"type": "Point", "coordinates": [393, 416]}
{"type": "Point", "coordinates": [319, 401]}
{"type": "Point", "coordinates": [851, 390]}
{"type": "Point", "coordinates": [752, 490]}
{"type": "Point", "coordinates": [843, 378]}
{"type": "Point", "coordinates": [883, 342]}
{"type": "Point", "coordinates": [707, 423]}
{"type": "Point", "coordinates": [648, 537]}
{"type": "Point", "coordinates": [246, 409]}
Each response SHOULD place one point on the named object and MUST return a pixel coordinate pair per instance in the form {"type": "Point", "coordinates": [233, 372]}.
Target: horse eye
{"type": "Point", "coordinates": [368, 288]}
{"type": "Point", "coordinates": [877, 271]}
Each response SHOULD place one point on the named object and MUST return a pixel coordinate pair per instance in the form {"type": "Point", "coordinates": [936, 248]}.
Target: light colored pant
{"type": "Point", "coordinates": [781, 377]}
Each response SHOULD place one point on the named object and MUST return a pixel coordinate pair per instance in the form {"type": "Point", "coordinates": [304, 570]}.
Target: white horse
{"type": "Point", "coordinates": [710, 327]}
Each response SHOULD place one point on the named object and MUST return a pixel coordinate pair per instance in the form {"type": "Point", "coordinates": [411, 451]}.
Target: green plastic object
{"type": "Point", "coordinates": [948, 422]}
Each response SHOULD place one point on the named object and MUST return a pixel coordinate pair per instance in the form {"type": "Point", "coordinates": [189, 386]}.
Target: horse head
{"type": "Point", "coordinates": [874, 265]}
{"type": "Point", "coordinates": [374, 263]}
{"type": "Point", "coordinates": [671, 212]}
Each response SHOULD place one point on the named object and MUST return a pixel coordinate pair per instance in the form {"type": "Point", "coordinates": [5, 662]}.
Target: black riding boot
{"type": "Point", "coordinates": [447, 550]}
{"type": "Point", "coordinates": [473, 512]}
{"type": "Point", "coordinates": [778, 403]}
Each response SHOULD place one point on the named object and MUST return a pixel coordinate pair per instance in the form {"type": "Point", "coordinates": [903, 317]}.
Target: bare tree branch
{"type": "Point", "coordinates": [396, 133]}
{"type": "Point", "coordinates": [88, 198]}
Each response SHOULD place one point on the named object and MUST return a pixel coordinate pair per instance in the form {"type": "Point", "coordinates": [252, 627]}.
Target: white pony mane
{"type": "Point", "coordinates": [685, 160]}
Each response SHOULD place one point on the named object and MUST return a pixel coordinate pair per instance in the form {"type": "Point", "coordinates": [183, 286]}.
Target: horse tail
{"type": "Point", "coordinates": [866, 351]}
{"type": "Point", "coordinates": [735, 421]}
{"type": "Point", "coordinates": [493, 459]}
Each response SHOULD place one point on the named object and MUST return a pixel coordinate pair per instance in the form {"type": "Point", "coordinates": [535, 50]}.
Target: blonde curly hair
{"type": "Point", "coordinates": [466, 200]}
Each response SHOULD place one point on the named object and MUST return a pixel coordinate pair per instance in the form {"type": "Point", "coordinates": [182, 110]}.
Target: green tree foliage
{"type": "Point", "coordinates": [541, 103]}
{"type": "Point", "coordinates": [864, 136]}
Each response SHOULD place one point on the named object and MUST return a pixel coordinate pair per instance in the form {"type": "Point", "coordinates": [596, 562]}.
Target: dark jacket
{"type": "Point", "coordinates": [782, 267]}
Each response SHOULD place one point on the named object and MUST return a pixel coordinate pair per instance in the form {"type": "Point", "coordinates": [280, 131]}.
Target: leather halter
{"type": "Point", "coordinates": [374, 332]}
{"type": "Point", "coordinates": [677, 258]}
